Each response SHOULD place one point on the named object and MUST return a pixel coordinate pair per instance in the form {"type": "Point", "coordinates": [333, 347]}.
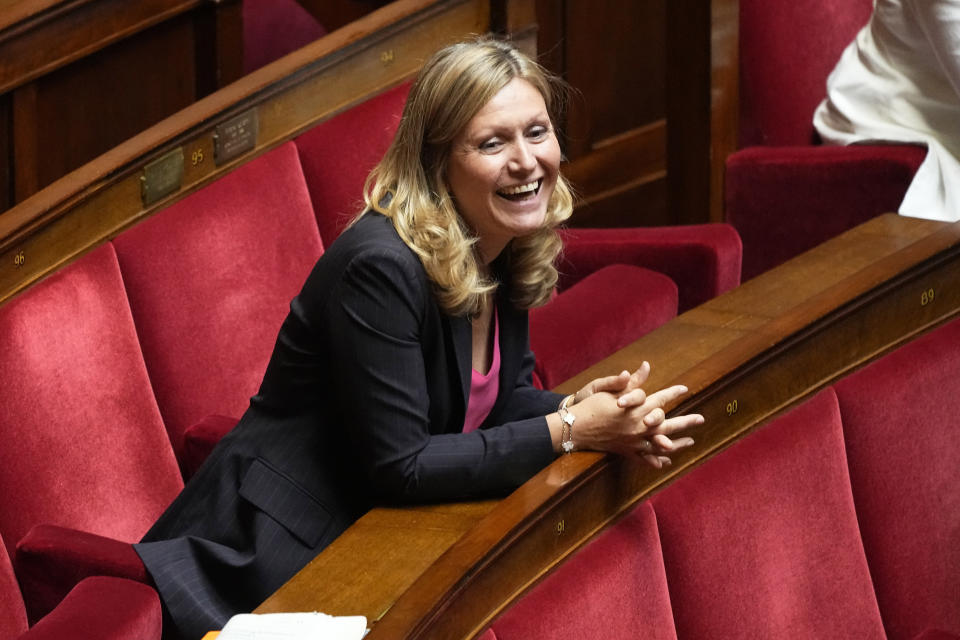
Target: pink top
{"type": "Point", "coordinates": [483, 388]}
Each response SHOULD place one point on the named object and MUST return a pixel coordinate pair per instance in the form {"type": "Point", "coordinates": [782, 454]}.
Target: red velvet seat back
{"type": "Point", "coordinates": [787, 50]}
{"type": "Point", "coordinates": [762, 541]}
{"type": "Point", "coordinates": [338, 153]}
{"type": "Point", "coordinates": [210, 281]}
{"type": "Point", "coordinates": [83, 442]}
{"type": "Point", "coordinates": [614, 587]}
{"type": "Point", "coordinates": [274, 28]}
{"type": "Point", "coordinates": [901, 418]}
{"type": "Point", "coordinates": [565, 335]}
{"type": "Point", "coordinates": [13, 616]}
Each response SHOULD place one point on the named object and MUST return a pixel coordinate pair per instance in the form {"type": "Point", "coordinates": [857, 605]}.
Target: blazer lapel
{"type": "Point", "coordinates": [462, 333]}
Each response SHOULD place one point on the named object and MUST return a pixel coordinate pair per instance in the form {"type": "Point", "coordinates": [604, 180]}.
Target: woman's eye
{"type": "Point", "coordinates": [538, 132]}
{"type": "Point", "coordinates": [490, 145]}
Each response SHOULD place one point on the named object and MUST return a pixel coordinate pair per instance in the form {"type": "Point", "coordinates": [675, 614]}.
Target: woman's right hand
{"type": "Point", "coordinates": [633, 423]}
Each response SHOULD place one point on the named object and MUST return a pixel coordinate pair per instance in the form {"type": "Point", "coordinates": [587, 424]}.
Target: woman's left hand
{"type": "Point", "coordinates": [619, 385]}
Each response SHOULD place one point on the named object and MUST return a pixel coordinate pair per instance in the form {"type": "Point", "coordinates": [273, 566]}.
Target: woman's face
{"type": "Point", "coordinates": [503, 167]}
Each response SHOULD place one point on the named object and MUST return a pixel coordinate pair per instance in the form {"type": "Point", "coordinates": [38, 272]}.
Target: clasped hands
{"type": "Point", "coordinates": [615, 415]}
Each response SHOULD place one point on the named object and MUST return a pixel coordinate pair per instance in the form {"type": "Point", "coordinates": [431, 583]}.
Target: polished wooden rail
{"type": "Point", "coordinates": [447, 571]}
{"type": "Point", "coordinates": [105, 196]}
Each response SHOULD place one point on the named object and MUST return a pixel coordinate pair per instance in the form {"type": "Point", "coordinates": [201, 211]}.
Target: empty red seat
{"type": "Point", "coordinates": [83, 443]}
{"type": "Point", "coordinates": [615, 587]}
{"type": "Point", "coordinates": [338, 153]}
{"type": "Point", "coordinates": [783, 193]}
{"type": "Point", "coordinates": [900, 422]}
{"type": "Point", "coordinates": [99, 607]}
{"type": "Point", "coordinates": [210, 281]}
{"type": "Point", "coordinates": [762, 541]}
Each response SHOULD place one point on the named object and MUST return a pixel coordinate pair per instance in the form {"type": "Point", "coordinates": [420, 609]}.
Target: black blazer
{"type": "Point", "coordinates": [363, 402]}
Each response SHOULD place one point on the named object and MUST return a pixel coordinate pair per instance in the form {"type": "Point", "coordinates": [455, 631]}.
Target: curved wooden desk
{"type": "Point", "coordinates": [446, 571]}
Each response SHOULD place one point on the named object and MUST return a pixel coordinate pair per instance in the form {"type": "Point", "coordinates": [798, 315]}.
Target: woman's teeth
{"type": "Point", "coordinates": [520, 190]}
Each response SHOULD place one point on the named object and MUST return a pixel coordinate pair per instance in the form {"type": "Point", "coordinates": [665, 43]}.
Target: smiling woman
{"type": "Point", "coordinates": [403, 371]}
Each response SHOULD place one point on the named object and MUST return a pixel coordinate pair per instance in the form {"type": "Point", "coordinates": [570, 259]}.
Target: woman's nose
{"type": "Point", "coordinates": [523, 158]}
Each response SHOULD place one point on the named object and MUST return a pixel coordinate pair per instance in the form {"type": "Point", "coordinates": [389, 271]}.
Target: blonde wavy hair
{"type": "Point", "coordinates": [409, 184]}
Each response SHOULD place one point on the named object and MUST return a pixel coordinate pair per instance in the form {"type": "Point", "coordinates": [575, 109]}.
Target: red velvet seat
{"type": "Point", "coordinates": [98, 608]}
{"type": "Point", "coordinates": [903, 447]}
{"type": "Point", "coordinates": [575, 313]}
{"type": "Point", "coordinates": [762, 541]}
{"type": "Point", "coordinates": [338, 153]}
{"type": "Point", "coordinates": [783, 194]}
{"type": "Point", "coordinates": [84, 444]}
{"type": "Point", "coordinates": [274, 28]}
{"type": "Point", "coordinates": [210, 281]}
{"type": "Point", "coordinates": [615, 587]}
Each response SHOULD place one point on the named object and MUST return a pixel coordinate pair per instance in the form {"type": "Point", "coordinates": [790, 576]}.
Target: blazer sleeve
{"type": "Point", "coordinates": [380, 320]}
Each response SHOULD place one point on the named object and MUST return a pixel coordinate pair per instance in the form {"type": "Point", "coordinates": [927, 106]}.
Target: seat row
{"type": "Point", "coordinates": [839, 519]}
{"type": "Point", "coordinates": [126, 366]}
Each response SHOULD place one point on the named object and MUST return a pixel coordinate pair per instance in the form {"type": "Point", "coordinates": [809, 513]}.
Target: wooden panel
{"type": "Point", "coordinates": [218, 50]}
{"type": "Point", "coordinates": [619, 94]}
{"type": "Point", "coordinates": [26, 143]}
{"type": "Point", "coordinates": [84, 75]}
{"type": "Point", "coordinates": [98, 102]}
{"type": "Point", "coordinates": [623, 180]}
{"type": "Point", "coordinates": [745, 356]}
{"type": "Point", "coordinates": [40, 37]}
{"type": "Point", "coordinates": [702, 55]}
{"type": "Point", "coordinates": [6, 152]}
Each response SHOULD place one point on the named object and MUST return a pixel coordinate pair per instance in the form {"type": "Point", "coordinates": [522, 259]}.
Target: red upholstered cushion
{"type": "Point", "coordinates": [13, 617]}
{"type": "Point", "coordinates": [201, 438]}
{"type": "Point", "coordinates": [703, 260]}
{"type": "Point", "coordinates": [614, 587]}
{"type": "Point", "coordinates": [274, 28]}
{"type": "Point", "coordinates": [338, 153]}
{"type": "Point", "coordinates": [787, 50]}
{"type": "Point", "coordinates": [51, 560]}
{"type": "Point", "coordinates": [903, 443]}
{"type": "Point", "coordinates": [83, 442]}
{"type": "Point", "coordinates": [210, 281]}
{"type": "Point", "coordinates": [604, 312]}
{"type": "Point", "coordinates": [784, 201]}
{"type": "Point", "coordinates": [103, 609]}
{"type": "Point", "coordinates": [762, 541]}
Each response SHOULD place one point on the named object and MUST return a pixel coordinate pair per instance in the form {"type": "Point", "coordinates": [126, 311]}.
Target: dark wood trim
{"type": "Point", "coordinates": [26, 151]}
{"type": "Point", "coordinates": [702, 90]}
{"type": "Point", "coordinates": [218, 35]}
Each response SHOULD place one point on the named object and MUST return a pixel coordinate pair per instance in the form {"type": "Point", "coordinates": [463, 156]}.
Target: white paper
{"type": "Point", "coordinates": [293, 626]}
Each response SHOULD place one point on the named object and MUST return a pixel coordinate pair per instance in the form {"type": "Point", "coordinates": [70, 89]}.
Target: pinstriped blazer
{"type": "Point", "coordinates": [363, 402]}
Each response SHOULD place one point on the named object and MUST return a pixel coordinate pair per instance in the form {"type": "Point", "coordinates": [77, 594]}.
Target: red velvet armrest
{"type": "Point", "coordinates": [199, 440]}
{"type": "Point", "coordinates": [51, 560]}
{"type": "Point", "coordinates": [786, 200]}
{"type": "Point", "coordinates": [703, 260]}
{"type": "Point", "coordinates": [103, 608]}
